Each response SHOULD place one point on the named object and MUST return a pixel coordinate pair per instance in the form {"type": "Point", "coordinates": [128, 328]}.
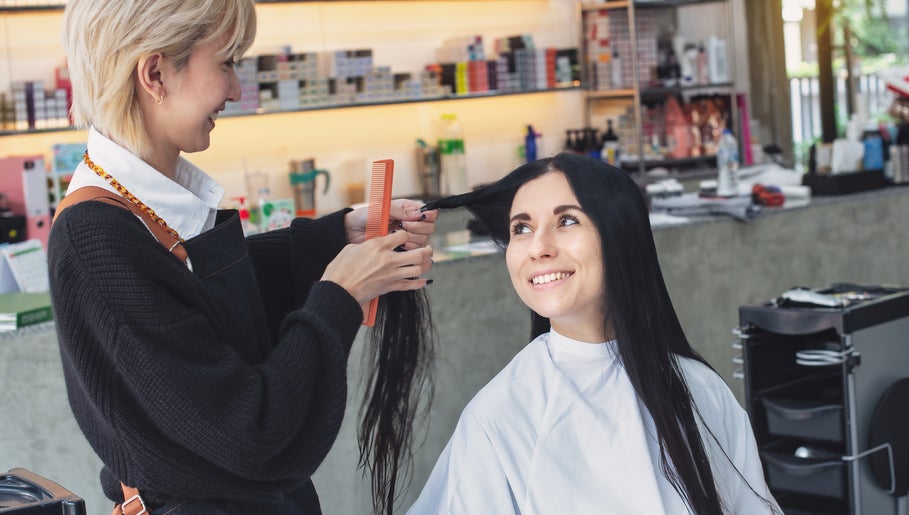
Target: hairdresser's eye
{"type": "Point", "coordinates": [230, 63]}
{"type": "Point", "coordinates": [519, 228]}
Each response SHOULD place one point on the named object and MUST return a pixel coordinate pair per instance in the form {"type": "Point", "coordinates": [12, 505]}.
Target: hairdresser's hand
{"type": "Point", "coordinates": [405, 214]}
{"type": "Point", "coordinates": [372, 268]}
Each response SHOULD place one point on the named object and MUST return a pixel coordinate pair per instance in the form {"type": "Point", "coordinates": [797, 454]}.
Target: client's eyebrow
{"type": "Point", "coordinates": [520, 216]}
{"type": "Point", "coordinates": [566, 207]}
{"type": "Point", "coordinates": [557, 210]}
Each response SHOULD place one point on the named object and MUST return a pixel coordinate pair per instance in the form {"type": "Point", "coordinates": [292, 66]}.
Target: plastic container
{"type": "Point", "coordinates": [453, 158]}
{"type": "Point", "coordinates": [727, 163]}
{"type": "Point", "coordinates": [873, 157]}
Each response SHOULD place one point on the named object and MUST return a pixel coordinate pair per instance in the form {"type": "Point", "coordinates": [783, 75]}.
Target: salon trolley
{"type": "Point", "coordinates": [826, 384]}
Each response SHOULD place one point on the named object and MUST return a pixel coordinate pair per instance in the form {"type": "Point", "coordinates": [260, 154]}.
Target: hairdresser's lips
{"type": "Point", "coordinates": [549, 278]}
{"type": "Point", "coordinates": [213, 117]}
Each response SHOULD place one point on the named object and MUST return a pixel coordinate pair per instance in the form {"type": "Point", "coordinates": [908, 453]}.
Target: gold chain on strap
{"type": "Point", "coordinates": [130, 197]}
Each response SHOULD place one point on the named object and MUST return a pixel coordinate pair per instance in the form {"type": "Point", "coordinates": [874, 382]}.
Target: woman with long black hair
{"type": "Point", "coordinates": [609, 409]}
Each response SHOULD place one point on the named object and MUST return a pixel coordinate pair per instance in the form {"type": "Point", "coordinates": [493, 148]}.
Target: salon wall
{"type": "Point", "coordinates": [404, 35]}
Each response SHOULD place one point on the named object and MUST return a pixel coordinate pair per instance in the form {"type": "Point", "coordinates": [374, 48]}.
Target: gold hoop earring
{"type": "Point", "coordinates": [159, 100]}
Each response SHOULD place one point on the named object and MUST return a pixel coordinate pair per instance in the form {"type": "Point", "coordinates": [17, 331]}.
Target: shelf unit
{"type": "Point", "coordinates": [636, 90]}
{"type": "Point", "coordinates": [343, 139]}
{"type": "Point", "coordinates": [52, 7]}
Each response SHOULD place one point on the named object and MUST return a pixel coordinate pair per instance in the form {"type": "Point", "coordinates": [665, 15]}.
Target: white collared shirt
{"type": "Point", "coordinates": [188, 203]}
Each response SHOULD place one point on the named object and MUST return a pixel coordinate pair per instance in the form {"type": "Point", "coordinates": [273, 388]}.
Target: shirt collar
{"type": "Point", "coordinates": [188, 203]}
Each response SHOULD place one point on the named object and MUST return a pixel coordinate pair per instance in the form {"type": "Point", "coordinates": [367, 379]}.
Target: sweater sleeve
{"type": "Point", "coordinates": [289, 261]}
{"type": "Point", "coordinates": [162, 397]}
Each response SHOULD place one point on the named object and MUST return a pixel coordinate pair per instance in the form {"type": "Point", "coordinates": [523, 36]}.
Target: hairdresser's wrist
{"type": "Point", "coordinates": [355, 225]}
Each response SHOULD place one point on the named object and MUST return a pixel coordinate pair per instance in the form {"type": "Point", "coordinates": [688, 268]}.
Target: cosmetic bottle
{"type": "Point", "coordinates": [610, 151]}
{"type": "Point", "coordinates": [615, 68]}
{"type": "Point", "coordinates": [530, 144]}
{"type": "Point", "coordinates": [727, 163]}
{"type": "Point", "coordinates": [452, 156]}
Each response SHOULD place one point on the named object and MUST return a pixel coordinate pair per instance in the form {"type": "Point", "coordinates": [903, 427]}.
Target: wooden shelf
{"type": "Point", "coordinates": [611, 93]}
{"type": "Point", "coordinates": [618, 4]}
{"type": "Point", "coordinates": [30, 8]}
{"type": "Point", "coordinates": [662, 91]}
{"type": "Point", "coordinates": [58, 6]}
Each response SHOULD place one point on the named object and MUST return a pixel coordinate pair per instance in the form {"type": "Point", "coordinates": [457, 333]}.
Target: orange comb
{"type": "Point", "coordinates": [377, 215]}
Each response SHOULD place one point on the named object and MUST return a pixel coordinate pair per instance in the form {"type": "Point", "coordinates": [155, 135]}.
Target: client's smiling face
{"type": "Point", "coordinates": [554, 258]}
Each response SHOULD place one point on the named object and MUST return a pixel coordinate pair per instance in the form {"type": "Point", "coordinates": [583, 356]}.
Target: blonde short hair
{"type": "Point", "coordinates": [105, 39]}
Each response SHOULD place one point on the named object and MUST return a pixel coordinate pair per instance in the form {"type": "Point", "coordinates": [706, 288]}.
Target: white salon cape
{"type": "Point", "coordinates": [561, 431]}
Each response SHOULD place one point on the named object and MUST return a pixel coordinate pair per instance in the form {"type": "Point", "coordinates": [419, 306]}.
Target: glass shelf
{"type": "Point", "coordinates": [261, 112]}
{"type": "Point", "coordinates": [707, 162]}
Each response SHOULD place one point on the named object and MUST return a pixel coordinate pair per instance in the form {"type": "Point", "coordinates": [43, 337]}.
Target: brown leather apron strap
{"type": "Point", "coordinates": [132, 503]}
{"type": "Point", "coordinates": [96, 193]}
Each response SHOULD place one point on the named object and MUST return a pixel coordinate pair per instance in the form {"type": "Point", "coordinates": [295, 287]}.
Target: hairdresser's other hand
{"type": "Point", "coordinates": [372, 268]}
{"type": "Point", "coordinates": [405, 214]}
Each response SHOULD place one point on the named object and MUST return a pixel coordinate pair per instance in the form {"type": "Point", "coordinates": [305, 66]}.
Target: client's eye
{"type": "Point", "coordinates": [568, 220]}
{"type": "Point", "coordinates": [519, 228]}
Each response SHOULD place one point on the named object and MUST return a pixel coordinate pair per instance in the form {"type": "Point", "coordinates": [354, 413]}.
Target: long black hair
{"type": "Point", "coordinates": [398, 388]}
{"type": "Point", "coordinates": [638, 307]}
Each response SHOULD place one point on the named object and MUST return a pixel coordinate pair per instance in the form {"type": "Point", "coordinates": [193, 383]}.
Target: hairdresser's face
{"type": "Point", "coordinates": [554, 258]}
{"type": "Point", "coordinates": [194, 97]}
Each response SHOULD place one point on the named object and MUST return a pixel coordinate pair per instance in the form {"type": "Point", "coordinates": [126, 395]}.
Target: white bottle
{"type": "Point", "coordinates": [717, 60]}
{"type": "Point", "coordinates": [615, 69]}
{"type": "Point", "coordinates": [453, 159]}
{"type": "Point", "coordinates": [727, 163]}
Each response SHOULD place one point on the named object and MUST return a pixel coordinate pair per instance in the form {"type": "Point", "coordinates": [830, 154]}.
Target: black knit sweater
{"type": "Point", "coordinates": [168, 399]}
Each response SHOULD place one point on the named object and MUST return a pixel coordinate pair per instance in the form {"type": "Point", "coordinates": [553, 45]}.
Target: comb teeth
{"type": "Point", "coordinates": [377, 215]}
{"type": "Point", "coordinates": [379, 198]}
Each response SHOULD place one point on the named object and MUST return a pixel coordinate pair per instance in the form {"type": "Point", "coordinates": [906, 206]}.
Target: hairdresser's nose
{"type": "Point", "coordinates": [542, 245]}
{"type": "Point", "coordinates": [234, 90]}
